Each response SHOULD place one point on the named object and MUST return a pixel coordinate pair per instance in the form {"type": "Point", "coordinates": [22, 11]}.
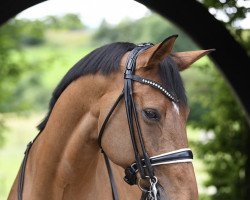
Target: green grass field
{"type": "Point", "coordinates": [21, 129]}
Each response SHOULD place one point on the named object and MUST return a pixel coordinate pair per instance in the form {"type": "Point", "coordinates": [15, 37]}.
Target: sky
{"type": "Point", "coordinates": [92, 12]}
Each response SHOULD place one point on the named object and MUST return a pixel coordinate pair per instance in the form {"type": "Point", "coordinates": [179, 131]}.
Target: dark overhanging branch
{"type": "Point", "coordinates": [10, 8]}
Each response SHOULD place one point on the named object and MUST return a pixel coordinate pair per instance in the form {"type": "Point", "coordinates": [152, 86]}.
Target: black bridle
{"type": "Point", "coordinates": [144, 164]}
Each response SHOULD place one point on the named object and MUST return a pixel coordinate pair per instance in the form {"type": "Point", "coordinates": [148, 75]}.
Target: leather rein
{"type": "Point", "coordinates": [144, 164]}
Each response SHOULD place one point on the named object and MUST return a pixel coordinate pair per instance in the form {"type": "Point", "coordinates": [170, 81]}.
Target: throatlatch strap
{"type": "Point", "coordinates": [22, 173]}
{"type": "Point", "coordinates": [107, 119]}
{"type": "Point", "coordinates": [111, 177]}
{"type": "Point", "coordinates": [110, 173]}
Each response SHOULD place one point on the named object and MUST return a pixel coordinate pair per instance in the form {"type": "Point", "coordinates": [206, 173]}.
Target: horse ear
{"type": "Point", "coordinates": [185, 59]}
{"type": "Point", "coordinates": [155, 54]}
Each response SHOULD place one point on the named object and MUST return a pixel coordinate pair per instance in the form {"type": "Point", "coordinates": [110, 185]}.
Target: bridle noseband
{"type": "Point", "coordinates": [144, 164]}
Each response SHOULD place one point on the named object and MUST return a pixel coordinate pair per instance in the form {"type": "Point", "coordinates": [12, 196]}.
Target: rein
{"type": "Point", "coordinates": [144, 164]}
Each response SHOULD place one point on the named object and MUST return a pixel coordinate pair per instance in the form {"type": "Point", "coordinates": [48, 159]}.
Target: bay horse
{"type": "Point", "coordinates": [121, 107]}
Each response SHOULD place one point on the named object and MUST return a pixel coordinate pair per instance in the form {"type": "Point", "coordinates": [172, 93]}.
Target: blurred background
{"type": "Point", "coordinates": [42, 43]}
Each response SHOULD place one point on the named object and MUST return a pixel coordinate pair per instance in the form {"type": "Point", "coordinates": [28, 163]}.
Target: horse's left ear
{"type": "Point", "coordinates": [185, 59]}
{"type": "Point", "coordinates": [155, 54]}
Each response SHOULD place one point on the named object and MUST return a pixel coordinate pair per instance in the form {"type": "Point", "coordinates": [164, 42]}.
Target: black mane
{"type": "Point", "coordinates": [106, 60]}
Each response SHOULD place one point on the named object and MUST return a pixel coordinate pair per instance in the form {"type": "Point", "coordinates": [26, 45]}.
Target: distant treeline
{"type": "Point", "coordinates": [150, 28]}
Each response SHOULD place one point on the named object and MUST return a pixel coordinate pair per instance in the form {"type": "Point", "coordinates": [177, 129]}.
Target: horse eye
{"type": "Point", "coordinates": [151, 114]}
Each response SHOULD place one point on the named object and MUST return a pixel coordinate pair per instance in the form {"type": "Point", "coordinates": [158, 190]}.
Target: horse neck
{"type": "Point", "coordinates": [66, 152]}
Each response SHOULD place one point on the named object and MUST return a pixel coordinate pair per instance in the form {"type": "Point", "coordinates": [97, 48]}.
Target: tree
{"type": "Point", "coordinates": [15, 36]}
{"type": "Point", "coordinates": [233, 12]}
{"type": "Point", "coordinates": [72, 22]}
{"type": "Point", "coordinates": [151, 28]}
{"type": "Point", "coordinates": [226, 155]}
{"type": "Point", "coordinates": [10, 69]}
{"type": "Point", "coordinates": [31, 32]}
{"type": "Point", "coordinates": [68, 22]}
{"type": "Point", "coordinates": [225, 149]}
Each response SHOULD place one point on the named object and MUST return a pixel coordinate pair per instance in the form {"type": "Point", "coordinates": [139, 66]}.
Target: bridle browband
{"type": "Point", "coordinates": [144, 164]}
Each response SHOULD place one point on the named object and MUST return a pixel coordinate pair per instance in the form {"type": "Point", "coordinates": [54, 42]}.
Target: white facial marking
{"type": "Point", "coordinates": [176, 107]}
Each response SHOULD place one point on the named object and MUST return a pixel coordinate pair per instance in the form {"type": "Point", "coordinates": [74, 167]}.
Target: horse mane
{"type": "Point", "coordinates": [105, 60]}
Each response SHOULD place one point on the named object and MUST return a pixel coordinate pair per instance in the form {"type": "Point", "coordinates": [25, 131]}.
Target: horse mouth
{"type": "Point", "coordinates": [161, 195]}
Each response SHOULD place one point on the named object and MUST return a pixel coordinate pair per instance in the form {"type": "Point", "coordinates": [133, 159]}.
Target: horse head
{"type": "Point", "coordinates": [156, 121]}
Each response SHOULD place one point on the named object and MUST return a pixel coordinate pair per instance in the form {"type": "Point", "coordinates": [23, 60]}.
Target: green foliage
{"type": "Point", "coordinates": [232, 12]}
{"type": "Point", "coordinates": [152, 28]}
{"type": "Point", "coordinates": [32, 32]}
{"type": "Point", "coordinates": [10, 69]}
{"type": "Point", "coordinates": [27, 32]}
{"type": "Point", "coordinates": [16, 37]}
{"type": "Point", "coordinates": [245, 40]}
{"type": "Point", "coordinates": [226, 135]}
{"type": "Point", "coordinates": [68, 22]}
{"type": "Point", "coordinates": [230, 8]}
{"type": "Point", "coordinates": [11, 62]}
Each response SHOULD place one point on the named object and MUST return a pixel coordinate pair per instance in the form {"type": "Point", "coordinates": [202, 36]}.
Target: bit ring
{"type": "Point", "coordinates": [139, 184]}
